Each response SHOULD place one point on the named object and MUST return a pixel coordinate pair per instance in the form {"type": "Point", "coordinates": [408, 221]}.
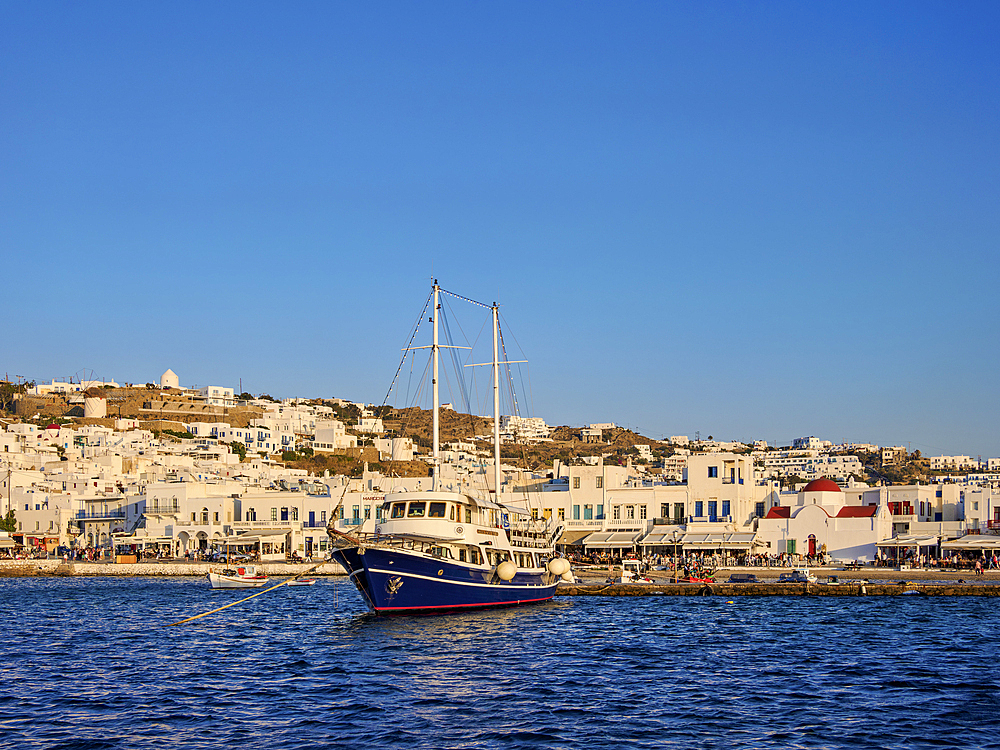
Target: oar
{"type": "Point", "coordinates": [247, 598]}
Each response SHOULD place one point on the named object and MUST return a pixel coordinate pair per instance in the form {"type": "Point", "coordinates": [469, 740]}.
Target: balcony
{"type": "Point", "coordinates": [99, 515]}
{"type": "Point", "coordinates": [993, 525]}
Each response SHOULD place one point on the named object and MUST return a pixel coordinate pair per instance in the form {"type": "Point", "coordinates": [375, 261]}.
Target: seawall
{"type": "Point", "coordinates": [20, 568]}
{"type": "Point", "coordinates": [853, 588]}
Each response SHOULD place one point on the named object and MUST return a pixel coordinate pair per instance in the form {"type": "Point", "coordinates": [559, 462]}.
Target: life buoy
{"type": "Point", "coordinates": [459, 530]}
{"type": "Point", "coordinates": [706, 591]}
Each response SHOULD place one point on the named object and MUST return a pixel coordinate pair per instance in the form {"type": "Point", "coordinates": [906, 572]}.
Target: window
{"type": "Point", "coordinates": [398, 510]}
{"type": "Point", "coordinates": [547, 513]}
{"type": "Point", "coordinates": [576, 483]}
{"type": "Point", "coordinates": [664, 510]}
{"type": "Point", "coordinates": [713, 472]}
{"type": "Point", "coordinates": [216, 516]}
{"type": "Point", "coordinates": [284, 514]}
{"type": "Point", "coordinates": [475, 556]}
{"type": "Point", "coordinates": [461, 555]}
{"type": "Point", "coordinates": [629, 512]}
{"type": "Point", "coordinates": [322, 517]}
{"type": "Point", "coordinates": [356, 512]}
{"type": "Point", "coordinates": [699, 507]}
{"type": "Point", "coordinates": [417, 509]}
{"type": "Point", "coordinates": [678, 511]}
{"type": "Point", "coordinates": [274, 514]}
{"type": "Point", "coordinates": [251, 514]}
{"type": "Point", "coordinates": [534, 514]}
{"type": "Point", "coordinates": [616, 512]}
{"type": "Point", "coordinates": [600, 512]}
{"type": "Point", "coordinates": [588, 512]}
{"type": "Point", "coordinates": [576, 512]}
{"type": "Point", "coordinates": [759, 510]}
{"type": "Point", "coordinates": [468, 515]}
{"type": "Point", "coordinates": [600, 483]}
{"type": "Point", "coordinates": [725, 507]}
{"type": "Point", "coordinates": [437, 510]}
{"type": "Point", "coordinates": [295, 514]}
{"type": "Point", "coordinates": [642, 512]}
{"type": "Point", "coordinates": [713, 510]}
{"type": "Point", "coordinates": [562, 514]}
{"type": "Point", "coordinates": [451, 512]}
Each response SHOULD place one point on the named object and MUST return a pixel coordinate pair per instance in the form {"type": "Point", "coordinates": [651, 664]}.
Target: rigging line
{"type": "Point", "coordinates": [416, 328]}
{"type": "Point", "coordinates": [246, 599]}
{"type": "Point", "coordinates": [455, 357]}
{"type": "Point", "coordinates": [509, 381]}
{"type": "Point", "coordinates": [459, 296]}
{"type": "Point", "coordinates": [517, 343]}
{"type": "Point", "coordinates": [458, 322]}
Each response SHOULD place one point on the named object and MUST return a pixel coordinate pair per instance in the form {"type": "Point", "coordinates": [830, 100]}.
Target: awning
{"type": "Point", "coordinates": [6, 543]}
{"type": "Point", "coordinates": [973, 542]}
{"type": "Point", "coordinates": [264, 535]}
{"type": "Point", "coordinates": [611, 540]}
{"type": "Point", "coordinates": [572, 537]}
{"type": "Point", "coordinates": [910, 540]}
{"type": "Point", "coordinates": [143, 540]}
{"type": "Point", "coordinates": [721, 540]}
{"type": "Point", "coordinates": [663, 536]}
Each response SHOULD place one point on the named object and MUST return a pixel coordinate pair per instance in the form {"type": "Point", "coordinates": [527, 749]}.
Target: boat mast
{"type": "Point", "coordinates": [434, 383]}
{"type": "Point", "coordinates": [496, 401]}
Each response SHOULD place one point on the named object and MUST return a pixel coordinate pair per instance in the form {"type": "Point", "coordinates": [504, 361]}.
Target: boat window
{"type": "Point", "coordinates": [436, 510]}
{"type": "Point", "coordinates": [498, 556]}
{"type": "Point", "coordinates": [442, 552]}
{"type": "Point", "coordinates": [451, 513]}
{"type": "Point", "coordinates": [468, 514]}
{"type": "Point", "coordinates": [398, 510]}
{"type": "Point", "coordinates": [461, 555]}
{"type": "Point", "coordinates": [475, 556]}
{"type": "Point", "coordinates": [417, 509]}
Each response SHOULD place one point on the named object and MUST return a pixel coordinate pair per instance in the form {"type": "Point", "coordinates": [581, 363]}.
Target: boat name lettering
{"type": "Point", "coordinates": [491, 533]}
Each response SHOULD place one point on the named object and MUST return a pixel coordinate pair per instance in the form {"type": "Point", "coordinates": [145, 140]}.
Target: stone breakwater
{"type": "Point", "coordinates": [23, 568]}
{"type": "Point", "coordinates": [852, 588]}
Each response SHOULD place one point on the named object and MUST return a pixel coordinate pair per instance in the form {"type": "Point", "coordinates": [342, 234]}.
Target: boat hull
{"type": "Point", "coordinates": [220, 581]}
{"type": "Point", "coordinates": [395, 582]}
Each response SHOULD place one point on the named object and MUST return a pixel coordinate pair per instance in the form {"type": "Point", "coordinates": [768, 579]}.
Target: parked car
{"type": "Point", "coordinates": [743, 578]}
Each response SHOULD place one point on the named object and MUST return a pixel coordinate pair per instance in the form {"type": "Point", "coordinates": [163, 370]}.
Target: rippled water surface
{"type": "Point", "coordinates": [87, 663]}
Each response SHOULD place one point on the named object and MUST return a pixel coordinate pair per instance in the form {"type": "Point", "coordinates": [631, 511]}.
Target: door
{"type": "Point", "coordinates": [312, 518]}
{"type": "Point", "coordinates": [812, 545]}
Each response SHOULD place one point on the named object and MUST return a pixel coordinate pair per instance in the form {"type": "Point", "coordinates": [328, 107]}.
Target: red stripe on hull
{"type": "Point", "coordinates": [463, 606]}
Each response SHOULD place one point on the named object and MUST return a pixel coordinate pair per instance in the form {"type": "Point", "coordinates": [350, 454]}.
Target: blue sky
{"type": "Point", "coordinates": [752, 220]}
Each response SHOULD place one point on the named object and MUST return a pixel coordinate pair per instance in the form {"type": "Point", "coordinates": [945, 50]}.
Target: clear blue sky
{"type": "Point", "coordinates": [750, 219]}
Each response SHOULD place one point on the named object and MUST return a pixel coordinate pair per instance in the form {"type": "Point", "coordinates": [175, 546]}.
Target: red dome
{"type": "Point", "coordinates": [822, 485]}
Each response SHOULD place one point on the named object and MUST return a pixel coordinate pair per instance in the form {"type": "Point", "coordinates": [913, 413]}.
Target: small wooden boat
{"type": "Point", "coordinates": [302, 582]}
{"type": "Point", "coordinates": [242, 577]}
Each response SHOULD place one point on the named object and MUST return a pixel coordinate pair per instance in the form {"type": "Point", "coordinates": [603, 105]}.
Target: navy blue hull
{"type": "Point", "coordinates": [394, 581]}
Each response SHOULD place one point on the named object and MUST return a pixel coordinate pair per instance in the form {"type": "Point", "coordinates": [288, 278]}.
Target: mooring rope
{"type": "Point", "coordinates": [247, 598]}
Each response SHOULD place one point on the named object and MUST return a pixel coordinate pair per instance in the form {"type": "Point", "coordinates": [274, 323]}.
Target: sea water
{"type": "Point", "coordinates": [90, 663]}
